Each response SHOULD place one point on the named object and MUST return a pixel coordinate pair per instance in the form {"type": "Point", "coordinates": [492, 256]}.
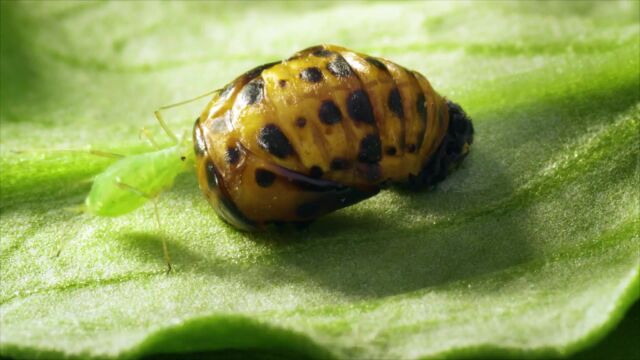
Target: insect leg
{"type": "Point", "coordinates": [105, 154]}
{"type": "Point", "coordinates": [165, 249]}
{"type": "Point", "coordinates": [163, 124]}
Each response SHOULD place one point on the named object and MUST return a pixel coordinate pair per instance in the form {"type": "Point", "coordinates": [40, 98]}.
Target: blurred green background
{"type": "Point", "coordinates": [530, 249]}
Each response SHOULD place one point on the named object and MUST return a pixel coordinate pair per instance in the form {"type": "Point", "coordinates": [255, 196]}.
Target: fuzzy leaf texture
{"type": "Point", "coordinates": [530, 249]}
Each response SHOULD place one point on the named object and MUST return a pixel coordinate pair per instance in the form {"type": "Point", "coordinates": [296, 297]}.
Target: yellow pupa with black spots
{"type": "Point", "coordinates": [293, 140]}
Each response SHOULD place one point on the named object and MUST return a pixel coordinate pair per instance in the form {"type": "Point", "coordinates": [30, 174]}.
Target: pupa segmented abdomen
{"type": "Point", "coordinates": [290, 141]}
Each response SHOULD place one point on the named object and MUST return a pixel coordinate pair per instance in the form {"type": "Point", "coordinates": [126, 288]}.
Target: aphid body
{"type": "Point", "coordinates": [131, 181]}
{"type": "Point", "coordinates": [293, 140]}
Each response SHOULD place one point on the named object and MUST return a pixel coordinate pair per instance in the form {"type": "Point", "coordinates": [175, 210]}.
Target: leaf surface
{"type": "Point", "coordinates": [530, 249]}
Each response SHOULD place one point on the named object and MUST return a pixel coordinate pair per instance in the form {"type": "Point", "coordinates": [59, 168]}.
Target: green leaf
{"type": "Point", "coordinates": [530, 249]}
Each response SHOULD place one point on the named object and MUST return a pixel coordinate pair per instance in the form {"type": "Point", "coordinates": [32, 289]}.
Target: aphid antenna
{"type": "Point", "coordinates": [153, 198]}
{"type": "Point", "coordinates": [164, 125]}
{"type": "Point", "coordinates": [144, 133]}
{"type": "Point", "coordinates": [88, 151]}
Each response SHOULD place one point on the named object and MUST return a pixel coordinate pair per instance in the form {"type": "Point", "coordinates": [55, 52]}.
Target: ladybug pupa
{"type": "Point", "coordinates": [293, 140]}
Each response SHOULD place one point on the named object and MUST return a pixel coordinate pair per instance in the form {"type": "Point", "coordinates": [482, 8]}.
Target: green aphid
{"type": "Point", "coordinates": [131, 181]}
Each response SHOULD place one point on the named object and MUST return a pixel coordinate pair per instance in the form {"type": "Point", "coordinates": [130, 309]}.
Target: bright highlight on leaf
{"type": "Point", "coordinates": [530, 249]}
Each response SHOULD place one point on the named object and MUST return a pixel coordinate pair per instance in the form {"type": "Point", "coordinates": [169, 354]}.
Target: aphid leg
{"type": "Point", "coordinates": [163, 124]}
{"type": "Point", "coordinates": [105, 154]}
{"type": "Point", "coordinates": [165, 249]}
{"type": "Point", "coordinates": [75, 210]}
{"type": "Point", "coordinates": [165, 127]}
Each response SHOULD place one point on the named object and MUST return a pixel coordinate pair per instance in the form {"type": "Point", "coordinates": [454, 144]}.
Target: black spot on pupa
{"type": "Point", "coordinates": [370, 149]}
{"type": "Point", "coordinates": [255, 72]}
{"type": "Point", "coordinates": [377, 63]}
{"type": "Point", "coordinates": [252, 92]}
{"type": "Point", "coordinates": [274, 141]}
{"type": "Point", "coordinates": [340, 164]}
{"type": "Point", "coordinates": [282, 83]}
{"type": "Point", "coordinates": [265, 178]}
{"type": "Point", "coordinates": [322, 53]}
{"type": "Point", "coordinates": [339, 67]}
{"type": "Point", "coordinates": [421, 107]}
{"type": "Point", "coordinates": [359, 107]}
{"type": "Point", "coordinates": [230, 212]}
{"type": "Point", "coordinates": [309, 50]}
{"type": "Point", "coordinates": [301, 122]}
{"type": "Point", "coordinates": [371, 172]}
{"type": "Point", "coordinates": [183, 158]}
{"type": "Point", "coordinates": [199, 145]}
{"type": "Point", "coordinates": [411, 148]}
{"type": "Point", "coordinates": [391, 150]}
{"type": "Point", "coordinates": [395, 103]}
{"type": "Point", "coordinates": [311, 74]}
{"type": "Point", "coordinates": [316, 172]}
{"type": "Point", "coordinates": [329, 113]}
{"type": "Point", "coordinates": [307, 210]}
{"type": "Point", "coordinates": [212, 176]}
{"type": "Point", "coordinates": [232, 155]}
